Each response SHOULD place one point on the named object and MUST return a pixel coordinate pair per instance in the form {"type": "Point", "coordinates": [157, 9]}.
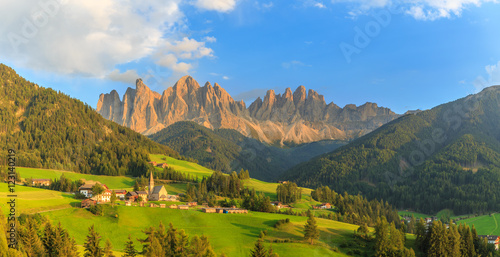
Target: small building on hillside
{"type": "Point", "coordinates": [40, 182]}
{"type": "Point", "coordinates": [494, 240]}
{"type": "Point", "coordinates": [162, 205]}
{"type": "Point", "coordinates": [86, 189]}
{"type": "Point", "coordinates": [325, 206]}
{"type": "Point", "coordinates": [143, 195]}
{"type": "Point", "coordinates": [173, 206]}
{"type": "Point", "coordinates": [208, 210]}
{"type": "Point", "coordinates": [230, 210]}
{"type": "Point", "coordinates": [277, 204]}
{"type": "Point", "coordinates": [183, 207]}
{"type": "Point", "coordinates": [120, 194]}
{"type": "Point", "coordinates": [131, 196]}
{"type": "Point", "coordinates": [152, 163]}
{"type": "Point", "coordinates": [192, 204]}
{"type": "Point", "coordinates": [162, 165]}
{"type": "Point", "coordinates": [87, 203]}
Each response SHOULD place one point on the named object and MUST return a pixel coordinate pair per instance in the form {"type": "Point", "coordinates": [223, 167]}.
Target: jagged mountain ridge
{"type": "Point", "coordinates": [297, 117]}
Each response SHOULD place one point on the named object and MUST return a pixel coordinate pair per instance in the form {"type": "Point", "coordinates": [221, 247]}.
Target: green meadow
{"type": "Point", "coordinates": [32, 200]}
{"type": "Point", "coordinates": [113, 182]}
{"type": "Point", "coordinates": [485, 224]}
{"type": "Point", "coordinates": [233, 234]}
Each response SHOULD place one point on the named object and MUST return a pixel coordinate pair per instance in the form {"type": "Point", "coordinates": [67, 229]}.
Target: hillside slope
{"type": "Point", "coordinates": [446, 157]}
{"type": "Point", "coordinates": [299, 117]}
{"type": "Point", "coordinates": [227, 150]}
{"type": "Point", "coordinates": [52, 130]}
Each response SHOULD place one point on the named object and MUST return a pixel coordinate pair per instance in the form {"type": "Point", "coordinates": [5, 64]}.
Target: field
{"type": "Point", "coordinates": [233, 234]}
{"type": "Point", "coordinates": [485, 225]}
{"type": "Point", "coordinates": [32, 200]}
{"type": "Point", "coordinates": [184, 166]}
{"type": "Point", "coordinates": [118, 182]}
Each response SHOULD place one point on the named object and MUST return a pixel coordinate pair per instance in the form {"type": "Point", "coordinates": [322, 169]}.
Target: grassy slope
{"type": "Point", "coordinates": [31, 200]}
{"type": "Point", "coordinates": [118, 182]}
{"type": "Point", "coordinates": [231, 234]}
{"type": "Point", "coordinates": [485, 225]}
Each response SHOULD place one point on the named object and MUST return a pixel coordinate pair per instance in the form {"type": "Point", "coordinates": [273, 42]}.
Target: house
{"type": "Point", "coordinates": [104, 197]}
{"type": "Point", "coordinates": [192, 204]}
{"type": "Point", "coordinates": [162, 165]}
{"type": "Point", "coordinates": [40, 182]}
{"type": "Point", "coordinates": [230, 210]}
{"type": "Point", "coordinates": [495, 240]}
{"type": "Point", "coordinates": [131, 196]}
{"type": "Point", "coordinates": [173, 206]}
{"type": "Point", "coordinates": [87, 203]}
{"type": "Point", "coordinates": [120, 194]}
{"type": "Point", "coordinates": [208, 210]}
{"type": "Point", "coordinates": [152, 163]}
{"type": "Point", "coordinates": [153, 205]}
{"type": "Point", "coordinates": [325, 206]}
{"type": "Point", "coordinates": [162, 205]}
{"type": "Point", "coordinates": [428, 220]}
{"type": "Point", "coordinates": [86, 189]}
{"type": "Point", "coordinates": [143, 195]}
{"type": "Point", "coordinates": [282, 182]}
{"type": "Point", "coordinates": [183, 207]}
{"type": "Point", "coordinates": [173, 198]}
{"type": "Point", "coordinates": [277, 204]}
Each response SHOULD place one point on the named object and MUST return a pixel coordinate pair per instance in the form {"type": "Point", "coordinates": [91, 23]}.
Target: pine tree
{"type": "Point", "coordinates": [259, 250]}
{"type": "Point", "coordinates": [113, 198]}
{"type": "Point", "coordinates": [108, 249]}
{"type": "Point", "coordinates": [311, 231]}
{"type": "Point", "coordinates": [382, 240]}
{"type": "Point", "coordinates": [91, 245]}
{"type": "Point", "coordinates": [129, 248]}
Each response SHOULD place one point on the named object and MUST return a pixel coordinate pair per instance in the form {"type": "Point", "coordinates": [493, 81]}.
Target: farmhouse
{"type": "Point", "coordinates": [131, 196]}
{"type": "Point", "coordinates": [162, 165]}
{"type": "Point", "coordinates": [325, 206]}
{"type": "Point", "coordinates": [87, 203]}
{"type": "Point", "coordinates": [230, 210]}
{"type": "Point", "coordinates": [104, 197]}
{"type": "Point", "coordinates": [192, 204]}
{"type": "Point", "coordinates": [173, 206]}
{"type": "Point", "coordinates": [183, 207]}
{"type": "Point", "coordinates": [277, 204]}
{"type": "Point", "coordinates": [40, 182]}
{"type": "Point", "coordinates": [495, 240]}
{"type": "Point", "coordinates": [152, 163]}
{"type": "Point", "coordinates": [86, 189]}
{"type": "Point", "coordinates": [120, 194]}
{"type": "Point", "coordinates": [208, 210]}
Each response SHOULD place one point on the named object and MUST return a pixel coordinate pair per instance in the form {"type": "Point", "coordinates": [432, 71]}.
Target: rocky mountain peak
{"type": "Point", "coordinates": [297, 117]}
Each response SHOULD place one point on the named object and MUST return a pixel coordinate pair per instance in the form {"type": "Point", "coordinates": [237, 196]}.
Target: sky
{"type": "Point", "coordinates": [404, 55]}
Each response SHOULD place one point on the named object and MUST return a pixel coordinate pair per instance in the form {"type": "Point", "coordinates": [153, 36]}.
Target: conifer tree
{"type": "Point", "coordinates": [259, 250]}
{"type": "Point", "coordinates": [129, 248]}
{"type": "Point", "coordinates": [311, 231]}
{"type": "Point", "coordinates": [108, 249]}
{"type": "Point", "coordinates": [113, 198]}
{"type": "Point", "coordinates": [91, 245]}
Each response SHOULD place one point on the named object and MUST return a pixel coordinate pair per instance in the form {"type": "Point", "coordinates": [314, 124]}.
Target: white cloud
{"type": "Point", "coordinates": [419, 9]}
{"type": "Point", "coordinates": [294, 64]}
{"type": "Point", "coordinates": [493, 77]}
{"type": "Point", "coordinates": [215, 5]}
{"type": "Point", "coordinates": [128, 76]}
{"type": "Point", "coordinates": [225, 77]}
{"type": "Point", "coordinates": [319, 5]}
{"type": "Point", "coordinates": [170, 54]}
{"type": "Point", "coordinates": [210, 39]}
{"type": "Point", "coordinates": [84, 37]}
{"type": "Point", "coordinates": [314, 3]}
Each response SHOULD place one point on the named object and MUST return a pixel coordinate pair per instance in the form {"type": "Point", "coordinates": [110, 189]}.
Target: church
{"type": "Point", "coordinates": [156, 193]}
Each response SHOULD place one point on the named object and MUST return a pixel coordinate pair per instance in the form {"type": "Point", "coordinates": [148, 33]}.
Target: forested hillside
{"type": "Point", "coordinates": [447, 157]}
{"type": "Point", "coordinates": [227, 150]}
{"type": "Point", "coordinates": [49, 129]}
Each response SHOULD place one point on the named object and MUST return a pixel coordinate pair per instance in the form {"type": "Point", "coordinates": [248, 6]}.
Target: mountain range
{"type": "Point", "coordinates": [292, 118]}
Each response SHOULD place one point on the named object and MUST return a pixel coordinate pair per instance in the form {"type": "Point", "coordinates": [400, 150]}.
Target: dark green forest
{"type": "Point", "coordinates": [446, 157]}
{"type": "Point", "coordinates": [228, 150]}
{"type": "Point", "coordinates": [49, 129]}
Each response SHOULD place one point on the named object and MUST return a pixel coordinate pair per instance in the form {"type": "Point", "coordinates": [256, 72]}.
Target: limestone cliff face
{"type": "Point", "coordinates": [297, 117]}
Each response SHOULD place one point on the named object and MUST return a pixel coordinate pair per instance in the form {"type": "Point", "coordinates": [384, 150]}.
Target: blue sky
{"type": "Point", "coordinates": [421, 54]}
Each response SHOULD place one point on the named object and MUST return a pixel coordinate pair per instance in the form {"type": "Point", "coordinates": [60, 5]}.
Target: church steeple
{"type": "Point", "coordinates": [151, 183]}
